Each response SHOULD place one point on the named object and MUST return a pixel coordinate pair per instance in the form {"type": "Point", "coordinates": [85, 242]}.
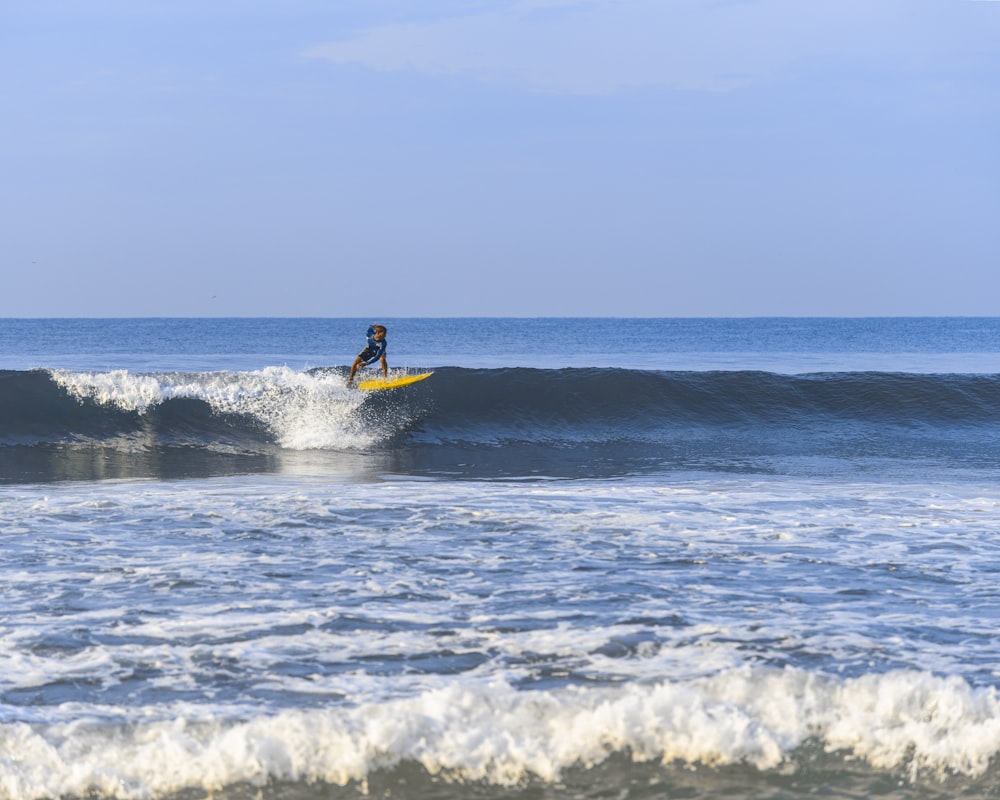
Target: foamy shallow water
{"type": "Point", "coordinates": [168, 636]}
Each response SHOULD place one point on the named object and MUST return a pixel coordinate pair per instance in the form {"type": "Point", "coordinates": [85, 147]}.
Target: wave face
{"type": "Point", "coordinates": [517, 420]}
{"type": "Point", "coordinates": [642, 403]}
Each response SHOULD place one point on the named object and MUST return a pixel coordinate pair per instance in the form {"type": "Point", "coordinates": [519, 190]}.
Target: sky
{"type": "Point", "coordinates": [452, 158]}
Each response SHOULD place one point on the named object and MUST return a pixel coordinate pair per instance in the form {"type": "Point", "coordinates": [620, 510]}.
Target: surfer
{"type": "Point", "coordinates": [375, 351]}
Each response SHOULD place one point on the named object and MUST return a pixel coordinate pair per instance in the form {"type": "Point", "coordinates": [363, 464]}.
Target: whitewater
{"type": "Point", "coordinates": [758, 560]}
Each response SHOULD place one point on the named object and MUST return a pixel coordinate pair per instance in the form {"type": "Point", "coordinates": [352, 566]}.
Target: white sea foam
{"type": "Point", "coordinates": [201, 633]}
{"type": "Point", "coordinates": [305, 411]}
{"type": "Point", "coordinates": [924, 726]}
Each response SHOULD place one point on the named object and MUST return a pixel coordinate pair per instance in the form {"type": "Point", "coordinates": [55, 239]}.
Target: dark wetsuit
{"type": "Point", "coordinates": [374, 351]}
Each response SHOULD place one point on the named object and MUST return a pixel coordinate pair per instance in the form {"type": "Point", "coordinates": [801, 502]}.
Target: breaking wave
{"type": "Point", "coordinates": [614, 416]}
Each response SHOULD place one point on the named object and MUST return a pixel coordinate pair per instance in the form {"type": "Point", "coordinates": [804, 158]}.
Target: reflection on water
{"type": "Point", "coordinates": [118, 460]}
{"type": "Point", "coordinates": [43, 463]}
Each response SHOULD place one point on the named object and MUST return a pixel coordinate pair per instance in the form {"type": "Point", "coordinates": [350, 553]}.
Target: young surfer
{"type": "Point", "coordinates": [375, 351]}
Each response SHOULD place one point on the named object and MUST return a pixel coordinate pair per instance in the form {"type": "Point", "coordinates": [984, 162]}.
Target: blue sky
{"type": "Point", "coordinates": [500, 157]}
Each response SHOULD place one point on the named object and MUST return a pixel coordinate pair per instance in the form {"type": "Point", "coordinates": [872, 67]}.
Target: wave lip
{"type": "Point", "coordinates": [294, 410]}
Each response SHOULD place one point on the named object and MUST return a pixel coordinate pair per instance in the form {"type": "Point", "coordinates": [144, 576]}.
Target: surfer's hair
{"type": "Point", "coordinates": [379, 328]}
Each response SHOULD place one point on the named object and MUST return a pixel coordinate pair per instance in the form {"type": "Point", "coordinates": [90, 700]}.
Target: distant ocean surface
{"type": "Point", "coordinates": [588, 558]}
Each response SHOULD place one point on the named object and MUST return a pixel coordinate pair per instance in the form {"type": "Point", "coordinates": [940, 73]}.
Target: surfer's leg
{"type": "Point", "coordinates": [354, 368]}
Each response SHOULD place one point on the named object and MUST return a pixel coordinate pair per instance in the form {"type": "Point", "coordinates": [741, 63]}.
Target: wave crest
{"type": "Point", "coordinates": [904, 722]}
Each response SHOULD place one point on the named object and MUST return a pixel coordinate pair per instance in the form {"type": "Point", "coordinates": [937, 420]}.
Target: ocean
{"type": "Point", "coordinates": [587, 558]}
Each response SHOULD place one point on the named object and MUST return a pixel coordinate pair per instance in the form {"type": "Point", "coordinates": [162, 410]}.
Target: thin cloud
{"type": "Point", "coordinates": [602, 46]}
{"type": "Point", "coordinates": [566, 46]}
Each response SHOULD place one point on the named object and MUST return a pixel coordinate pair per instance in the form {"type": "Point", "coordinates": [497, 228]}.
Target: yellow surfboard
{"type": "Point", "coordinates": [377, 384]}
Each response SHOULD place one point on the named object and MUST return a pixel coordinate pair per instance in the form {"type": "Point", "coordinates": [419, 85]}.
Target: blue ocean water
{"type": "Point", "coordinates": [587, 558]}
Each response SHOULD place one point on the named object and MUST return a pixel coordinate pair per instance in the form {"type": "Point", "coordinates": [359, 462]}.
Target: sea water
{"type": "Point", "coordinates": [587, 558]}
